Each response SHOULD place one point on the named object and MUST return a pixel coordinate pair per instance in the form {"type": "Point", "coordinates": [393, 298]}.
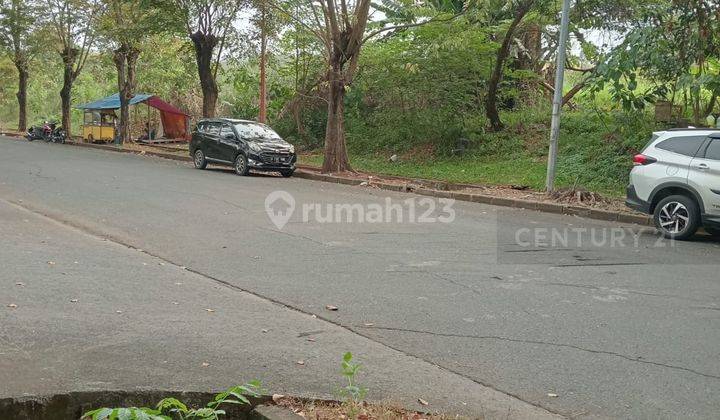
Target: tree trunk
{"type": "Point", "coordinates": [336, 158]}
{"type": "Point", "coordinates": [696, 108]}
{"type": "Point", "coordinates": [711, 105]}
{"type": "Point", "coordinates": [204, 46]}
{"type": "Point", "coordinates": [262, 112]}
{"type": "Point", "coordinates": [68, 55]}
{"type": "Point", "coordinates": [502, 54]}
{"type": "Point", "coordinates": [532, 44]}
{"type": "Point", "coordinates": [23, 76]}
{"type": "Point", "coordinates": [298, 121]}
{"type": "Point", "coordinates": [343, 53]}
{"type": "Point", "coordinates": [125, 59]}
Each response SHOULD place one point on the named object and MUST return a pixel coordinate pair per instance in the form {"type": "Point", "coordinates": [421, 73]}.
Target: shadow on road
{"type": "Point", "coordinates": [228, 170]}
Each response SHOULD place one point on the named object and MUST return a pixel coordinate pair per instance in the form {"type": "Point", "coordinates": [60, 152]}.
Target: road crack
{"type": "Point", "coordinates": [621, 290]}
{"type": "Point", "coordinates": [637, 359]}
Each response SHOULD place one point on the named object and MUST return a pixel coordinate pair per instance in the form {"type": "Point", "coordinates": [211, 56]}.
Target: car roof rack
{"type": "Point", "coordinates": [694, 129]}
{"type": "Point", "coordinates": [226, 119]}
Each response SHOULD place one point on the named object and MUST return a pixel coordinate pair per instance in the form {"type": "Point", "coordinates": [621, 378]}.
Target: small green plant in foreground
{"type": "Point", "coordinates": [172, 408]}
{"type": "Point", "coordinates": [351, 392]}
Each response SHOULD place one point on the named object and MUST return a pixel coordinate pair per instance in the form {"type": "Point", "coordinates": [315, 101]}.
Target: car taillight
{"type": "Point", "coordinates": [643, 160]}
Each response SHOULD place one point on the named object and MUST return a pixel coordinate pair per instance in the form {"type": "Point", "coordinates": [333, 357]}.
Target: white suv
{"type": "Point", "coordinates": [676, 178]}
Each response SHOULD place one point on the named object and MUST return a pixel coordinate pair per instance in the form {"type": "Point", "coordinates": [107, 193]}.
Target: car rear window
{"type": "Point", "coordinates": [713, 150]}
{"type": "Point", "coordinates": [685, 145]}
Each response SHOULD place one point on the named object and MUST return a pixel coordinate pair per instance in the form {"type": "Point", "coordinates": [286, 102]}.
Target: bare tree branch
{"type": "Point", "coordinates": [299, 21]}
{"type": "Point", "coordinates": [409, 25]}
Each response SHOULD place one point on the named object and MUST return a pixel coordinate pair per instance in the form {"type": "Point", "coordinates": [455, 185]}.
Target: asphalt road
{"type": "Point", "coordinates": [621, 329]}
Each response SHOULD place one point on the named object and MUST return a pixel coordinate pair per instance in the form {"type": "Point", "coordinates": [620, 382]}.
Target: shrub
{"type": "Point", "coordinates": [172, 408]}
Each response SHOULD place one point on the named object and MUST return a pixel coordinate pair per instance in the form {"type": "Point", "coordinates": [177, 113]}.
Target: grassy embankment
{"type": "Point", "coordinates": [596, 151]}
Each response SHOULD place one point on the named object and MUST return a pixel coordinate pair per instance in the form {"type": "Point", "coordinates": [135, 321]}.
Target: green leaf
{"type": "Point", "coordinates": [123, 414]}
{"type": "Point", "coordinates": [240, 397]}
{"type": "Point", "coordinates": [100, 413]}
{"type": "Point", "coordinates": [171, 404]}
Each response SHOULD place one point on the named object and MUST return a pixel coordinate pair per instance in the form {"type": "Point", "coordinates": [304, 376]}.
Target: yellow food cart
{"type": "Point", "coordinates": [98, 125]}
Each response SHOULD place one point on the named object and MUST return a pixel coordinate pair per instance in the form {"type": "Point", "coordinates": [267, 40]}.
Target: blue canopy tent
{"type": "Point", "coordinates": [175, 123]}
{"type": "Point", "coordinates": [113, 102]}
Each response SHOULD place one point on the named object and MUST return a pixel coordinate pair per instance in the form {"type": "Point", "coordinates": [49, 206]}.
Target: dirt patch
{"type": "Point", "coordinates": [573, 197]}
{"type": "Point", "coordinates": [332, 410]}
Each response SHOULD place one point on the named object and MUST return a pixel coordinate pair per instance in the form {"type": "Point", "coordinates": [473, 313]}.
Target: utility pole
{"type": "Point", "coordinates": [262, 103]}
{"type": "Point", "coordinates": [557, 97]}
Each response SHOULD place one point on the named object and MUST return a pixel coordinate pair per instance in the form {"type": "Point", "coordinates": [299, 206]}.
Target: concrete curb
{"type": "Point", "coordinates": [438, 189]}
{"type": "Point", "coordinates": [72, 405]}
{"type": "Point", "coordinates": [489, 199]}
{"type": "Point", "coordinates": [121, 150]}
{"type": "Point", "coordinates": [273, 412]}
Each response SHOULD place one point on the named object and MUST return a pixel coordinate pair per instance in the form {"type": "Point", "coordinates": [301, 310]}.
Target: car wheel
{"type": "Point", "coordinates": [241, 165]}
{"type": "Point", "coordinates": [287, 173]}
{"type": "Point", "coordinates": [677, 217]}
{"type": "Point", "coordinates": [199, 159]}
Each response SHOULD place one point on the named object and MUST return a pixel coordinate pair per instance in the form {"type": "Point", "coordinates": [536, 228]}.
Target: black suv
{"type": "Point", "coordinates": [244, 144]}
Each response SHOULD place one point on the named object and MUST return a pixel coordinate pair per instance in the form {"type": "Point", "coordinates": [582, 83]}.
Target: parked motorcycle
{"type": "Point", "coordinates": [35, 133]}
{"type": "Point", "coordinates": [49, 132]}
{"type": "Point", "coordinates": [58, 135]}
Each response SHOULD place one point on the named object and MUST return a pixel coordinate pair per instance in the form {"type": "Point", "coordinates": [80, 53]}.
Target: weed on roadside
{"type": "Point", "coordinates": [174, 409]}
{"type": "Point", "coordinates": [352, 394]}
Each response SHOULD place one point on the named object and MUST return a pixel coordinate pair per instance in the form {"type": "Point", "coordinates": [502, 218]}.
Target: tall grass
{"type": "Point", "coordinates": [596, 148]}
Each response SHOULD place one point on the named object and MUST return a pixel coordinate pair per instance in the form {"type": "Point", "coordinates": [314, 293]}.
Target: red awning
{"type": "Point", "coordinates": [174, 121]}
{"type": "Point", "coordinates": [158, 103]}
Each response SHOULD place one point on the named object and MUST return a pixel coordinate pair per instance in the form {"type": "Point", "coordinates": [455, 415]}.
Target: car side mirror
{"type": "Point", "coordinates": [230, 136]}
